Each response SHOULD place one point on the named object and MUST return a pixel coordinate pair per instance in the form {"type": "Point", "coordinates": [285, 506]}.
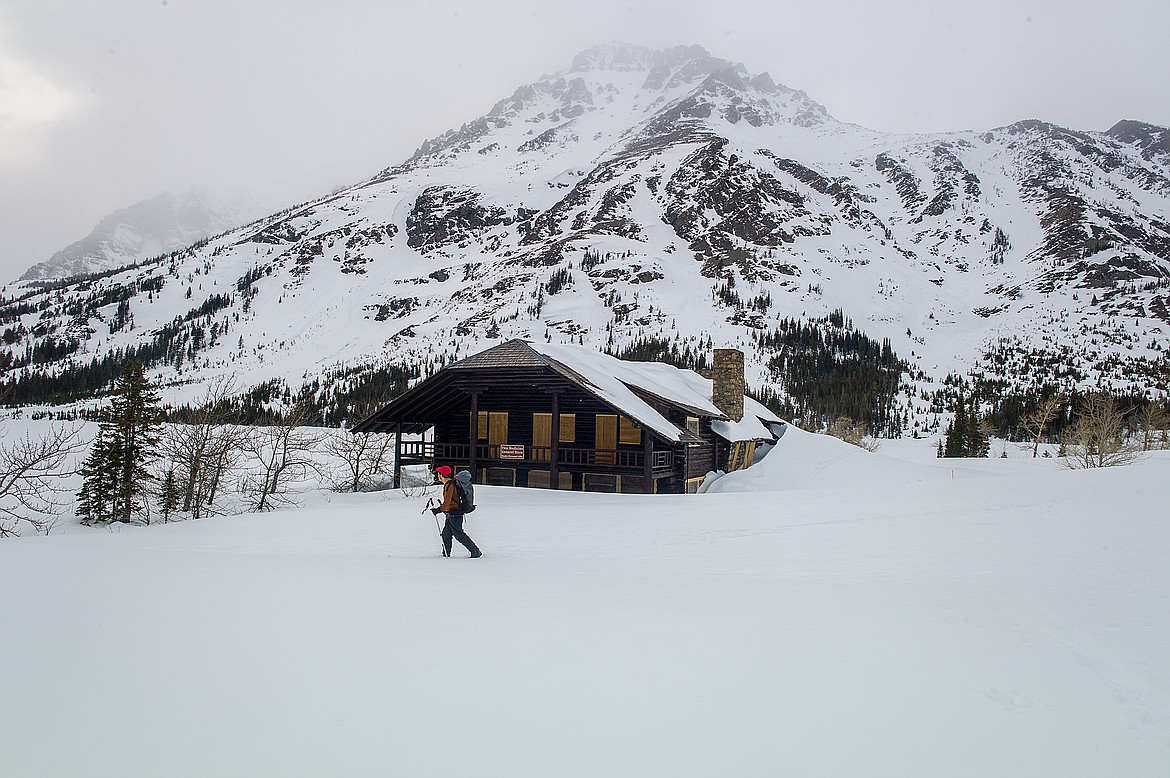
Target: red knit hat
{"type": "Point", "coordinates": [443, 470]}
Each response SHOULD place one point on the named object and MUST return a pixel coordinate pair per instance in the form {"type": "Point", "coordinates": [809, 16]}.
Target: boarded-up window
{"type": "Point", "coordinates": [498, 476]}
{"type": "Point", "coordinates": [600, 482]}
{"type": "Point", "coordinates": [632, 484]}
{"type": "Point", "coordinates": [628, 434]}
{"type": "Point", "coordinates": [539, 479]}
{"type": "Point", "coordinates": [482, 424]}
{"type": "Point", "coordinates": [541, 436]}
{"type": "Point", "coordinates": [497, 428]}
{"type": "Point", "coordinates": [605, 439]}
{"type": "Point", "coordinates": [568, 427]}
{"type": "Point", "coordinates": [693, 424]}
{"type": "Point", "coordinates": [542, 432]}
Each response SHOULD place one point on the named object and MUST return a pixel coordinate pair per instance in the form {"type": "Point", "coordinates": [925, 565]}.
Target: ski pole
{"type": "Point", "coordinates": [430, 503]}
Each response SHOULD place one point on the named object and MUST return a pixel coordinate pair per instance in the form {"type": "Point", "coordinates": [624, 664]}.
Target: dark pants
{"type": "Point", "coordinates": [453, 528]}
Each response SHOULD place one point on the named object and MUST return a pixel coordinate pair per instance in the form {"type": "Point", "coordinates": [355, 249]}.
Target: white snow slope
{"type": "Point", "coordinates": [869, 616]}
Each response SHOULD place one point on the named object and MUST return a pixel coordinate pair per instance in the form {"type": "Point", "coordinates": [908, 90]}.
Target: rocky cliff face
{"type": "Point", "coordinates": [674, 195]}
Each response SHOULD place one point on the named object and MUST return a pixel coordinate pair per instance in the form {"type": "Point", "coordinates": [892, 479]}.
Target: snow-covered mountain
{"type": "Point", "coordinates": [670, 195]}
{"type": "Point", "coordinates": [143, 231]}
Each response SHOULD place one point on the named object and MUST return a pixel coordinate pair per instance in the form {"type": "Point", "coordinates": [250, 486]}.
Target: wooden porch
{"type": "Point", "coordinates": [579, 459]}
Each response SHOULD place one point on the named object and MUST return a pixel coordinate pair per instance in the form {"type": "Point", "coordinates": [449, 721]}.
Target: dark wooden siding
{"type": "Point", "coordinates": [701, 458]}
{"type": "Point", "coordinates": [522, 392]}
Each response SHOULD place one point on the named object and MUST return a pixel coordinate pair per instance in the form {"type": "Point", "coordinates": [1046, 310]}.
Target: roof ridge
{"type": "Point", "coordinates": [506, 349]}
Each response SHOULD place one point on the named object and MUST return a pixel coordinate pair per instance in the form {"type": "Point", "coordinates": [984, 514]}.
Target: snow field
{"type": "Point", "coordinates": [870, 615]}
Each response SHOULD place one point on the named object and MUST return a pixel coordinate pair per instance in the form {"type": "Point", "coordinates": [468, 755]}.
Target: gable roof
{"type": "Point", "coordinates": [617, 383]}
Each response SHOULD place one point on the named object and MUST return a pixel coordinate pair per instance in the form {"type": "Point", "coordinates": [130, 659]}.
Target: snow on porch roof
{"type": "Point", "coordinates": [612, 379]}
{"type": "Point", "coordinates": [753, 425]}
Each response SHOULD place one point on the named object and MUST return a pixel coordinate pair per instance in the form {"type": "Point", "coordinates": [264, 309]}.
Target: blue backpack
{"type": "Point", "coordinates": [466, 491]}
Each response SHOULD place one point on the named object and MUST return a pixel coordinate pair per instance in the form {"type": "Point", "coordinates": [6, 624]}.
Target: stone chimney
{"type": "Point", "coordinates": [727, 385]}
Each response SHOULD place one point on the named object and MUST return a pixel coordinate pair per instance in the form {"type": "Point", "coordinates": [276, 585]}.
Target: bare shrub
{"type": "Point", "coordinates": [282, 456]}
{"type": "Point", "coordinates": [1153, 427]}
{"type": "Point", "coordinates": [1097, 436]}
{"type": "Point", "coordinates": [1036, 422]}
{"type": "Point", "coordinates": [204, 452]}
{"type": "Point", "coordinates": [362, 456]}
{"type": "Point", "coordinates": [32, 479]}
{"type": "Point", "coordinates": [853, 432]}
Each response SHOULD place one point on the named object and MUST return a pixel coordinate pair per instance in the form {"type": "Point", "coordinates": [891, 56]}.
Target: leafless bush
{"type": "Point", "coordinates": [282, 455]}
{"type": "Point", "coordinates": [32, 475]}
{"type": "Point", "coordinates": [853, 432]}
{"type": "Point", "coordinates": [1096, 437]}
{"type": "Point", "coordinates": [1153, 427]}
{"type": "Point", "coordinates": [204, 452]}
{"type": "Point", "coordinates": [1036, 422]}
{"type": "Point", "coordinates": [362, 456]}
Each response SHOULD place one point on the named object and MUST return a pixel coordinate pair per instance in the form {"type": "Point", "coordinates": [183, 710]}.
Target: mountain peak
{"type": "Point", "coordinates": [166, 222]}
{"type": "Point", "coordinates": [1150, 138]}
{"type": "Point", "coordinates": [617, 56]}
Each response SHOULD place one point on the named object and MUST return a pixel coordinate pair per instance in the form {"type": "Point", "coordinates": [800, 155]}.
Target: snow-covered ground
{"type": "Point", "coordinates": [827, 613]}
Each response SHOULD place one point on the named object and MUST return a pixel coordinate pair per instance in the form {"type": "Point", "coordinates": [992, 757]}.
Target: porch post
{"type": "Point", "coordinates": [647, 456]}
{"type": "Point", "coordinates": [554, 476]}
{"type": "Point", "coordinates": [474, 435]}
{"type": "Point", "coordinates": [398, 456]}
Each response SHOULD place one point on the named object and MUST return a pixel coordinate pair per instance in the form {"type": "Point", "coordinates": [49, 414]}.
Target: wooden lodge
{"type": "Point", "coordinates": [565, 417]}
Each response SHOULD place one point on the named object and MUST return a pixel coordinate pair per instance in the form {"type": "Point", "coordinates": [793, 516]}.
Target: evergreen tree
{"type": "Point", "coordinates": [965, 435]}
{"type": "Point", "coordinates": [978, 444]}
{"type": "Point", "coordinates": [957, 435]}
{"type": "Point", "coordinates": [99, 475]}
{"type": "Point", "coordinates": [135, 420]}
{"type": "Point", "coordinates": [115, 476]}
{"type": "Point", "coordinates": [169, 496]}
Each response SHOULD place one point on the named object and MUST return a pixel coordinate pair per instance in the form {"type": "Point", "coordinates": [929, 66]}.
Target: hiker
{"type": "Point", "coordinates": [452, 506]}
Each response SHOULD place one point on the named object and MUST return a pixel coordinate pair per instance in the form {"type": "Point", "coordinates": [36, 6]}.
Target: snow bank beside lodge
{"type": "Point", "coordinates": [807, 460]}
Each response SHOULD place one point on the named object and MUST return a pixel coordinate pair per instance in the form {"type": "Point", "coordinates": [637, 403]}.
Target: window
{"type": "Point", "coordinates": [542, 432]}
{"type": "Point", "coordinates": [541, 436]}
{"type": "Point", "coordinates": [497, 428]}
{"type": "Point", "coordinates": [693, 424]}
{"type": "Point", "coordinates": [632, 484]}
{"type": "Point", "coordinates": [598, 482]}
{"type": "Point", "coordinates": [498, 476]}
{"type": "Point", "coordinates": [568, 428]}
{"type": "Point", "coordinates": [540, 479]}
{"type": "Point", "coordinates": [628, 433]}
{"type": "Point", "coordinates": [605, 438]}
{"type": "Point", "coordinates": [492, 426]}
{"type": "Point", "coordinates": [610, 482]}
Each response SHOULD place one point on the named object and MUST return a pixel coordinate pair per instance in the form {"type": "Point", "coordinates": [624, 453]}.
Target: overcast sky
{"type": "Point", "coordinates": [107, 102]}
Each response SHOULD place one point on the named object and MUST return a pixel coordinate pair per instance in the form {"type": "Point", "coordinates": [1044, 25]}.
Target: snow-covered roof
{"type": "Point", "coordinates": [614, 380]}
{"type": "Point", "coordinates": [753, 425]}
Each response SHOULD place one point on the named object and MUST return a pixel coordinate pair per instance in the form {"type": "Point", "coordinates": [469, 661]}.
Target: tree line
{"type": "Point", "coordinates": [140, 470]}
{"type": "Point", "coordinates": [1092, 429]}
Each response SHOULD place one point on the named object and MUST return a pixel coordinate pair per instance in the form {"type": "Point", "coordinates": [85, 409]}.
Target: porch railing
{"type": "Point", "coordinates": [516, 453]}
